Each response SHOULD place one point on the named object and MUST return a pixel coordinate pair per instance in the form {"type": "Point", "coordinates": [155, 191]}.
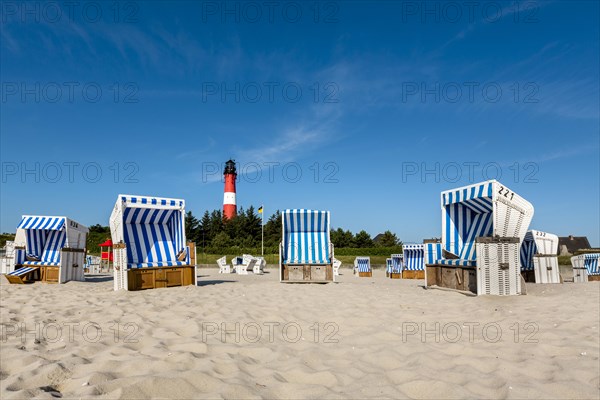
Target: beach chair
{"type": "Point", "coordinates": [244, 264]}
{"type": "Point", "coordinates": [414, 261]}
{"type": "Point", "coordinates": [7, 260]}
{"type": "Point", "coordinates": [336, 266]}
{"type": "Point", "coordinates": [397, 266]}
{"type": "Point", "coordinates": [55, 246]}
{"type": "Point", "coordinates": [586, 267]}
{"type": "Point", "coordinates": [259, 266]}
{"type": "Point", "coordinates": [539, 260]}
{"type": "Point", "coordinates": [224, 268]}
{"type": "Point", "coordinates": [388, 267]}
{"type": "Point", "coordinates": [432, 252]}
{"type": "Point", "coordinates": [92, 264]}
{"type": "Point", "coordinates": [362, 266]}
{"type": "Point", "coordinates": [482, 229]}
{"type": "Point", "coordinates": [149, 244]}
{"type": "Point", "coordinates": [306, 251]}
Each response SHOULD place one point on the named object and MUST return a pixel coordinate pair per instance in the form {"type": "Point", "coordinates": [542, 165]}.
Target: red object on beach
{"type": "Point", "coordinates": [108, 243]}
{"type": "Point", "coordinates": [106, 255]}
{"type": "Point", "coordinates": [229, 200]}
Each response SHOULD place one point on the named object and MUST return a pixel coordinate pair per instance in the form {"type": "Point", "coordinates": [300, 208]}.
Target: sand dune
{"type": "Point", "coordinates": [360, 338]}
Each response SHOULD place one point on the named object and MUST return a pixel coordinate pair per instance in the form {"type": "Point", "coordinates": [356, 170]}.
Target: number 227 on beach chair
{"type": "Point", "coordinates": [150, 250]}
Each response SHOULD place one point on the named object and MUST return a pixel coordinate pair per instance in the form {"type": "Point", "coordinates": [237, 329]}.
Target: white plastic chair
{"type": "Point", "coordinates": [224, 268]}
{"type": "Point", "coordinates": [336, 266]}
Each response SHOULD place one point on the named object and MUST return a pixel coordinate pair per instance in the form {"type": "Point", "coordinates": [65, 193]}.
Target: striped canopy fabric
{"type": "Point", "coordinates": [397, 263]}
{"type": "Point", "coordinates": [50, 243]}
{"type": "Point", "coordinates": [44, 239]}
{"type": "Point", "coordinates": [363, 264]}
{"type": "Point", "coordinates": [528, 249]}
{"type": "Point", "coordinates": [467, 215]}
{"type": "Point", "coordinates": [305, 237]}
{"type": "Point", "coordinates": [43, 223]}
{"type": "Point", "coordinates": [388, 265]}
{"type": "Point", "coordinates": [432, 252]}
{"type": "Point", "coordinates": [591, 263]}
{"type": "Point", "coordinates": [22, 271]}
{"type": "Point", "coordinates": [153, 236]}
{"type": "Point", "coordinates": [414, 255]}
{"type": "Point", "coordinates": [144, 200]}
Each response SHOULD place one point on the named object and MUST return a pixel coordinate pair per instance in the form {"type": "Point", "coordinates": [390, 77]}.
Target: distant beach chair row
{"type": "Point", "coordinates": [485, 248]}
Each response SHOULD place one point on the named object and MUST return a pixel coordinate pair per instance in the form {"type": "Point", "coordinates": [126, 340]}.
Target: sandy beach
{"type": "Point", "coordinates": [359, 338]}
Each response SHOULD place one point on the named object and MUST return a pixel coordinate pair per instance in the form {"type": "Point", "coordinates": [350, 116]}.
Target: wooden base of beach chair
{"type": "Point", "coordinates": [15, 279]}
{"type": "Point", "coordinates": [365, 274]}
{"type": "Point", "coordinates": [395, 275]}
{"type": "Point", "coordinates": [50, 274]}
{"type": "Point", "coordinates": [307, 273]}
{"type": "Point", "coordinates": [160, 277]}
{"type": "Point", "coordinates": [593, 278]}
{"type": "Point", "coordinates": [458, 278]}
{"type": "Point", "coordinates": [413, 274]}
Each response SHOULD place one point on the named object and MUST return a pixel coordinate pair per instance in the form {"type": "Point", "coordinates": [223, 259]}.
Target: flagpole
{"type": "Point", "coordinates": [262, 231]}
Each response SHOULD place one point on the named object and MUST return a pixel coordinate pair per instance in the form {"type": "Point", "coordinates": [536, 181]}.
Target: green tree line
{"type": "Point", "coordinates": [216, 235]}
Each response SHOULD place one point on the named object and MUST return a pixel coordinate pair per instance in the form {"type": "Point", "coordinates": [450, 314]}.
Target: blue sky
{"type": "Point", "coordinates": [360, 97]}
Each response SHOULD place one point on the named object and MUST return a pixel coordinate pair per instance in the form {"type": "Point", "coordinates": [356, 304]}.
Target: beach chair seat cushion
{"type": "Point", "coordinates": [156, 264]}
{"type": "Point", "coordinates": [22, 271]}
{"type": "Point", "coordinates": [457, 263]}
{"type": "Point", "coordinates": [42, 263]}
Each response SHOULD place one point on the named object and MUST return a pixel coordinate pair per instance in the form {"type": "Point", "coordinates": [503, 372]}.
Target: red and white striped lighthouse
{"type": "Point", "coordinates": [229, 205]}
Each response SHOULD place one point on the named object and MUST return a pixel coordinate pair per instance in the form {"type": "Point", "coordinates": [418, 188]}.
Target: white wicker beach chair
{"type": "Point", "coordinates": [539, 260]}
{"type": "Point", "coordinates": [586, 267]}
{"type": "Point", "coordinates": [259, 266]}
{"type": "Point", "coordinates": [306, 251]}
{"type": "Point", "coordinates": [224, 268]}
{"type": "Point", "coordinates": [482, 229]}
{"type": "Point", "coordinates": [54, 245]}
{"type": "Point", "coordinates": [336, 266]}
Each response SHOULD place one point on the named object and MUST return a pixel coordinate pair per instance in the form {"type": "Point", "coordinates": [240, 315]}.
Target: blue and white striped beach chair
{"type": "Point", "coordinates": [539, 260]}
{"type": "Point", "coordinates": [482, 229]}
{"type": "Point", "coordinates": [397, 266]}
{"type": "Point", "coordinates": [414, 261]}
{"type": "Point", "coordinates": [388, 267]}
{"type": "Point", "coordinates": [362, 267]}
{"type": "Point", "coordinates": [150, 250]}
{"type": "Point", "coordinates": [306, 251]}
{"type": "Point", "coordinates": [586, 267]}
{"type": "Point", "coordinates": [54, 245]}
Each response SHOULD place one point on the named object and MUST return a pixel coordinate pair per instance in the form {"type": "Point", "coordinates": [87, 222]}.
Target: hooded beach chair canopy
{"type": "Point", "coordinates": [152, 229]}
{"type": "Point", "coordinates": [589, 261]}
{"type": "Point", "coordinates": [414, 255]}
{"type": "Point", "coordinates": [481, 210]}
{"type": "Point", "coordinates": [46, 236]}
{"type": "Point", "coordinates": [537, 243]}
{"type": "Point", "coordinates": [306, 237]}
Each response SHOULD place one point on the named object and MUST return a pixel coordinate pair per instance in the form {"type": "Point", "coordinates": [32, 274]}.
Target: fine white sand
{"type": "Point", "coordinates": [359, 338]}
